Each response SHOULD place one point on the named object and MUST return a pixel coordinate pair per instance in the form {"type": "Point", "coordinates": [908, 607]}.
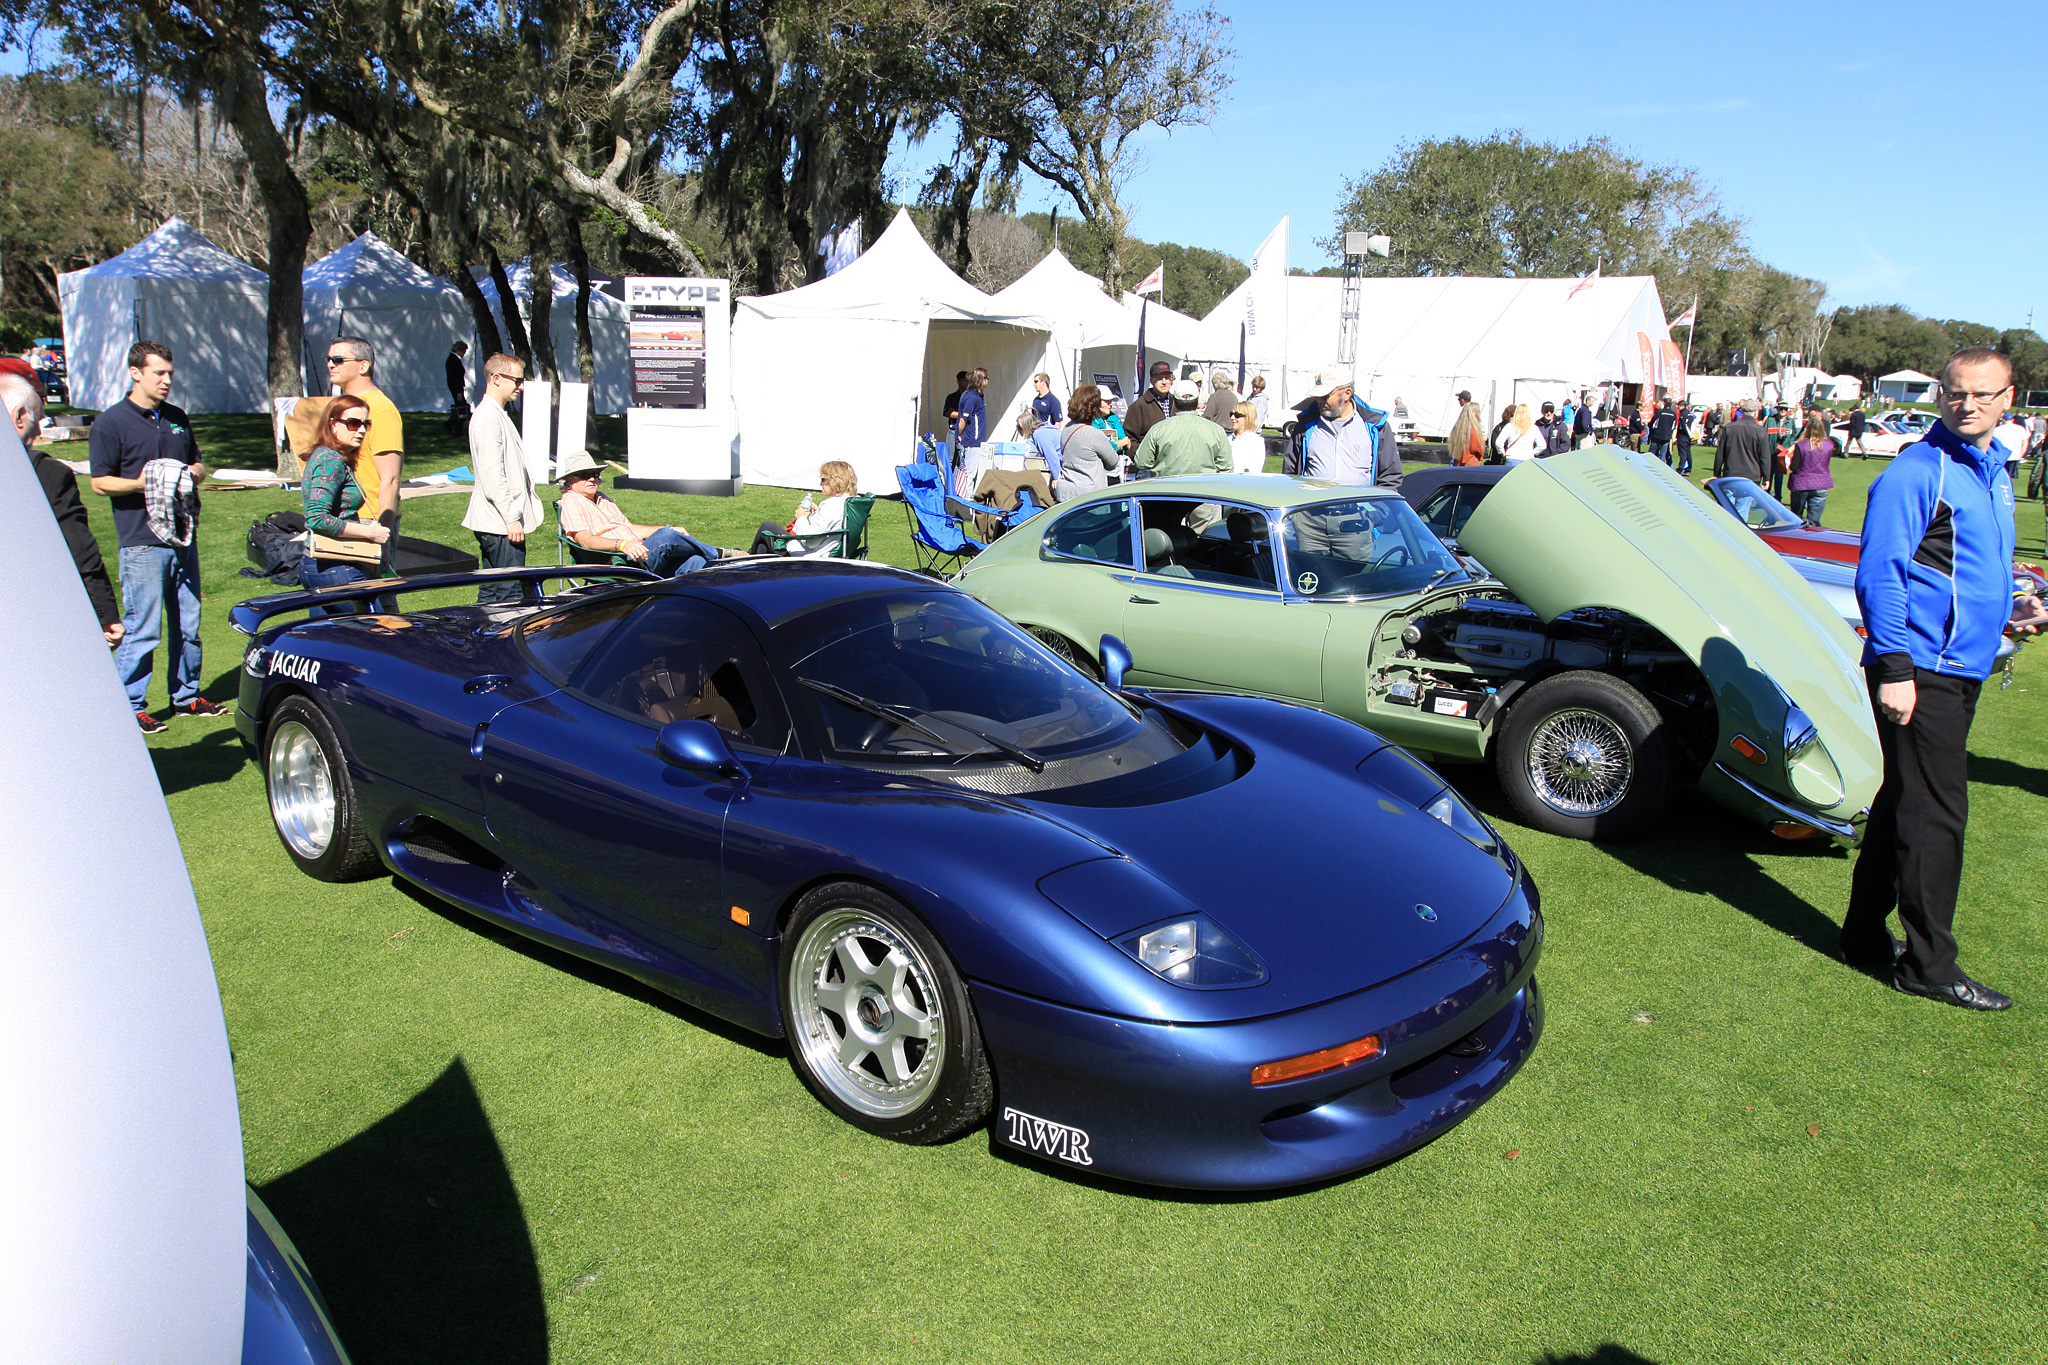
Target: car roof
{"type": "Point", "coordinates": [1423, 482]}
{"type": "Point", "coordinates": [1260, 490]}
{"type": "Point", "coordinates": [776, 589]}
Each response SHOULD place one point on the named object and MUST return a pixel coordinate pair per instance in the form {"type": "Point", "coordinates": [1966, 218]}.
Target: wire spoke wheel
{"type": "Point", "coordinates": [302, 791]}
{"type": "Point", "coordinates": [1580, 763]}
{"type": "Point", "coordinates": [869, 1017]}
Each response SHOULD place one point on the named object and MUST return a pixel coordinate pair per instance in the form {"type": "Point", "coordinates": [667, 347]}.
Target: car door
{"type": "Point", "coordinates": [1076, 589]}
{"type": "Point", "coordinates": [1206, 610]}
{"type": "Point", "coordinates": [576, 793]}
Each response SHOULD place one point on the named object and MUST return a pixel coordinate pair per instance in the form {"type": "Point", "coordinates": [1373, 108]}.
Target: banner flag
{"type": "Point", "coordinates": [1154, 283]}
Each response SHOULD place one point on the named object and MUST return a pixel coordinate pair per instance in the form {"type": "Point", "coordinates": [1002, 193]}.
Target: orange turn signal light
{"type": "Point", "coordinates": [1747, 748]}
{"type": "Point", "coordinates": [1315, 1063]}
{"type": "Point", "coordinates": [1792, 829]}
{"type": "Point", "coordinates": [741, 917]}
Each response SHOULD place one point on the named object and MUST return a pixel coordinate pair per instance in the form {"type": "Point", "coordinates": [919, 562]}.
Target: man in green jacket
{"type": "Point", "coordinates": [1185, 443]}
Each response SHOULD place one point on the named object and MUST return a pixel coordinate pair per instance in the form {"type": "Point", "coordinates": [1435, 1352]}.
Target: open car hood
{"type": "Point", "coordinates": [1607, 527]}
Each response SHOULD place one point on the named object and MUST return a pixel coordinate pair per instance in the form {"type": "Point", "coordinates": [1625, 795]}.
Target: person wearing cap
{"type": "Point", "coordinates": [1153, 405]}
{"type": "Point", "coordinates": [502, 504]}
{"type": "Point", "coordinates": [1185, 443]}
{"type": "Point", "coordinates": [1557, 432]}
{"type": "Point", "coordinates": [595, 522]}
{"type": "Point", "coordinates": [1348, 443]}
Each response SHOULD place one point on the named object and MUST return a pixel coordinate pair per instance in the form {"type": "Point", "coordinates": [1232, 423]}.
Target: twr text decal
{"type": "Point", "coordinates": [1045, 1136]}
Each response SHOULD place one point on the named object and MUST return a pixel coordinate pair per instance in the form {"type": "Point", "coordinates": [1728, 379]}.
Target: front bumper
{"type": "Point", "coordinates": [1166, 1104]}
{"type": "Point", "coordinates": [1766, 806]}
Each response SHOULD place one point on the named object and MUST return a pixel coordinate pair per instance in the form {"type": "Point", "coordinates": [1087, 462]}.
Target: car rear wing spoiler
{"type": "Point", "coordinates": [248, 617]}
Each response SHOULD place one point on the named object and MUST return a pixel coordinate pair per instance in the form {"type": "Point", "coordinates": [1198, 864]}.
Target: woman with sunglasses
{"type": "Point", "coordinates": [333, 495]}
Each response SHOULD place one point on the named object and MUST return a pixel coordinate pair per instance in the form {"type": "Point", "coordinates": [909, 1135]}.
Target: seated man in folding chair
{"type": "Point", "coordinates": [595, 522]}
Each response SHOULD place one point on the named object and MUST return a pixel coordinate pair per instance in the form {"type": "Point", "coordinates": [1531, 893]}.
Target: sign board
{"type": "Point", "coordinates": [537, 430]}
{"type": "Point", "coordinates": [1108, 383]}
{"type": "Point", "coordinates": [679, 424]}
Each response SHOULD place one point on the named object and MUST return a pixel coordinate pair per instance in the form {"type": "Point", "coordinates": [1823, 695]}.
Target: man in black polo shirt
{"type": "Point", "coordinates": [159, 578]}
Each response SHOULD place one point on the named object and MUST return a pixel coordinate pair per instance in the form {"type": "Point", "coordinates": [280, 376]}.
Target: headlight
{"type": "Point", "coordinates": [1195, 951]}
{"type": "Point", "coordinates": [1815, 778]}
{"type": "Point", "coordinates": [1450, 808]}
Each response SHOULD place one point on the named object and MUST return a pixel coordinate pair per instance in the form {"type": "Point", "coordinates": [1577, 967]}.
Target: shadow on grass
{"type": "Point", "coordinates": [597, 975]}
{"type": "Point", "coordinates": [2001, 772]}
{"type": "Point", "coordinates": [216, 757]}
{"type": "Point", "coordinates": [1605, 1354]}
{"type": "Point", "coordinates": [1700, 848]}
{"type": "Point", "coordinates": [414, 1232]}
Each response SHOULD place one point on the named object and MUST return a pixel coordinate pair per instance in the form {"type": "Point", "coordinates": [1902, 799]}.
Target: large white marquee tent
{"type": "Point", "coordinates": [176, 287]}
{"type": "Point", "coordinates": [611, 361]}
{"type": "Point", "coordinates": [1091, 332]}
{"type": "Point", "coordinates": [409, 317]}
{"type": "Point", "coordinates": [857, 366]}
{"type": "Point", "coordinates": [1423, 338]}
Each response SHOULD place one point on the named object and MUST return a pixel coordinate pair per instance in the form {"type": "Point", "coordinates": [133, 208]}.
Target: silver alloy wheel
{"type": "Point", "coordinates": [867, 1013]}
{"type": "Point", "coordinates": [302, 796]}
{"type": "Point", "coordinates": [1580, 763]}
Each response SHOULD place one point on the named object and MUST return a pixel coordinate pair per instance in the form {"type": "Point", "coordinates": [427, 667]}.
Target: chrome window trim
{"type": "Point", "coordinates": [1137, 538]}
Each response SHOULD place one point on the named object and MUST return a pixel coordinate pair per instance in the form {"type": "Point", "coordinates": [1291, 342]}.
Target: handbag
{"type": "Point", "coordinates": [347, 551]}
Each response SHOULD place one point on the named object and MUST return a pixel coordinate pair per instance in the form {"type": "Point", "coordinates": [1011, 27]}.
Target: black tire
{"type": "Point", "coordinates": [312, 802]}
{"type": "Point", "coordinates": [1558, 752]}
{"type": "Point", "coordinates": [917, 1072]}
{"type": "Point", "coordinates": [1068, 650]}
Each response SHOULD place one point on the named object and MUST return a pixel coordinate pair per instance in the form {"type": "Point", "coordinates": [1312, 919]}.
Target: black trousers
{"type": "Point", "coordinates": [1912, 857]}
{"type": "Point", "coordinates": [500, 552]}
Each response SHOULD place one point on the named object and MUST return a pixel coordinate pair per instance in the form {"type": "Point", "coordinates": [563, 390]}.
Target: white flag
{"type": "Point", "coordinates": [1585, 282]}
{"type": "Point", "coordinates": [1154, 283]}
{"type": "Point", "coordinates": [1688, 317]}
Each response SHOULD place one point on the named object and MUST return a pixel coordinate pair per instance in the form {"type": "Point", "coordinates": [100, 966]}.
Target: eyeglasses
{"type": "Point", "coordinates": [514, 380]}
{"type": "Point", "coordinates": [1959, 397]}
{"type": "Point", "coordinates": [339, 359]}
{"type": "Point", "coordinates": [352, 423]}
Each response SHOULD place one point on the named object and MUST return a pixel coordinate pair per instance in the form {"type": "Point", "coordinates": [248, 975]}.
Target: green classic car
{"type": "Point", "coordinates": [1631, 637]}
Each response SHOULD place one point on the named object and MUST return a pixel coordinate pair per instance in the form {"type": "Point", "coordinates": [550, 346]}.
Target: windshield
{"type": "Point", "coordinates": [1363, 547]}
{"type": "Point", "coordinates": [917, 677]}
{"type": "Point", "coordinates": [1754, 507]}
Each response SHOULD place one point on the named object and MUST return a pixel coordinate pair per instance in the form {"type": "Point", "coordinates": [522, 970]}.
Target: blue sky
{"type": "Point", "coordinates": [1892, 151]}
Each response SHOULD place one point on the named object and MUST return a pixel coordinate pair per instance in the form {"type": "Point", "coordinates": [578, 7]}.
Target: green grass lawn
{"type": "Point", "coordinates": [1727, 1148]}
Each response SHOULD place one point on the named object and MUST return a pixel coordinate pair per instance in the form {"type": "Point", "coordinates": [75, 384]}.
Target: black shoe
{"type": "Point", "coordinates": [150, 724]}
{"type": "Point", "coordinates": [201, 707]}
{"type": "Point", "coordinates": [1964, 994]}
{"type": "Point", "coordinates": [1867, 962]}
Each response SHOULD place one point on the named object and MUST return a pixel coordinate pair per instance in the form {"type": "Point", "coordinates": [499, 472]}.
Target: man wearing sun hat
{"type": "Point", "coordinates": [595, 522]}
{"type": "Point", "coordinates": [1345, 441]}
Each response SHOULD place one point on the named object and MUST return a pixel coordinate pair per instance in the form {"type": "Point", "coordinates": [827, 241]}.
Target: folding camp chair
{"type": "Point", "coordinates": [579, 554]}
{"type": "Point", "coordinates": [935, 536]}
{"type": "Point", "coordinates": [849, 542]}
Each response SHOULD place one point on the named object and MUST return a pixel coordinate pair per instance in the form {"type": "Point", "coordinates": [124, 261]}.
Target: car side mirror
{"type": "Point", "coordinates": [696, 746]}
{"type": "Point", "coordinates": [1116, 661]}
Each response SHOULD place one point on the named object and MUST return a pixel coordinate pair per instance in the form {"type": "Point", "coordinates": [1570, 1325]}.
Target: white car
{"type": "Point", "coordinates": [1878, 439]}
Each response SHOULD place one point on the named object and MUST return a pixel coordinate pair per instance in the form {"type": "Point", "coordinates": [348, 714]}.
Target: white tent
{"type": "Point", "coordinates": [1906, 386]}
{"type": "Point", "coordinates": [1423, 338]}
{"type": "Point", "coordinates": [611, 364]}
{"type": "Point", "coordinates": [1711, 390]}
{"type": "Point", "coordinates": [409, 316]}
{"type": "Point", "coordinates": [176, 287]}
{"type": "Point", "coordinates": [1092, 334]}
{"type": "Point", "coordinates": [1255, 320]}
{"type": "Point", "coordinates": [1170, 334]}
{"type": "Point", "coordinates": [858, 365]}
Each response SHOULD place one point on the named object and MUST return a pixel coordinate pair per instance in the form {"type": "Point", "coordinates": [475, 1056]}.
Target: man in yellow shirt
{"type": "Point", "coordinates": [350, 365]}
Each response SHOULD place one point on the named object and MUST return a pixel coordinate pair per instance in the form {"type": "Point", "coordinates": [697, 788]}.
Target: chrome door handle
{"type": "Point", "coordinates": [1146, 601]}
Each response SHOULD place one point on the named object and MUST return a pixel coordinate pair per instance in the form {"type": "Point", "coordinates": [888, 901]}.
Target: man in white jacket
{"type": "Point", "coordinates": [503, 506]}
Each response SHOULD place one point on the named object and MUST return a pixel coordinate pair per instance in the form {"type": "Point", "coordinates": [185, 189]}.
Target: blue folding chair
{"type": "Point", "coordinates": [936, 536]}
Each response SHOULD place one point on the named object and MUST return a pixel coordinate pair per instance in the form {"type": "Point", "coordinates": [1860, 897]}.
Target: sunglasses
{"type": "Point", "coordinates": [352, 423]}
{"type": "Point", "coordinates": [339, 359]}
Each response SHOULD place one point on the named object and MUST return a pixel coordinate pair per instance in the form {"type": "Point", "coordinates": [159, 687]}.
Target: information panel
{"type": "Point", "coordinates": [679, 428]}
{"type": "Point", "coordinates": [667, 348]}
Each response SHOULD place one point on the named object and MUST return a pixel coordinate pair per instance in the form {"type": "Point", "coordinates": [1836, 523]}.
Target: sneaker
{"type": "Point", "coordinates": [204, 709]}
{"type": "Point", "coordinates": [150, 724]}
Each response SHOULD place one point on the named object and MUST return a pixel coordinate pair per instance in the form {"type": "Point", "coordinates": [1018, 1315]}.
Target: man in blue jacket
{"type": "Point", "coordinates": [1935, 585]}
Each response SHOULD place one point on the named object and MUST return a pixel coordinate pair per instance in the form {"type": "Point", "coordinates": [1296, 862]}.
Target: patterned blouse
{"type": "Point", "coordinates": [332, 495]}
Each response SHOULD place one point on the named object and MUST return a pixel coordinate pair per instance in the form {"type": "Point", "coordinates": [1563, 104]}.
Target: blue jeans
{"type": "Point", "coordinates": [1662, 450]}
{"type": "Point", "coordinates": [160, 597]}
{"type": "Point", "coordinates": [1808, 503]}
{"type": "Point", "coordinates": [672, 554]}
{"type": "Point", "coordinates": [333, 576]}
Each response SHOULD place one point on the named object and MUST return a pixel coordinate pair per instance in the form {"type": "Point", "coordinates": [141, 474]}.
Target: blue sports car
{"type": "Point", "coordinates": [1184, 939]}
